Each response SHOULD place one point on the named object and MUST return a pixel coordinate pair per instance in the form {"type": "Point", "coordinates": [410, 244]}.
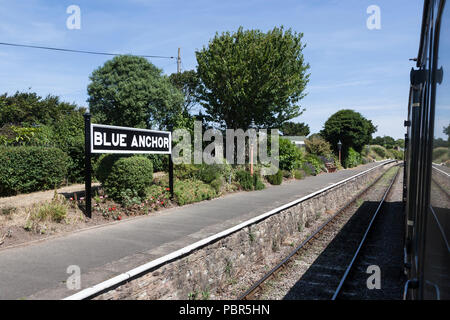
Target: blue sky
{"type": "Point", "coordinates": [351, 66]}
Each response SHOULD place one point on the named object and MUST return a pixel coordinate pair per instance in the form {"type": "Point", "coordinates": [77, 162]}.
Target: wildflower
{"type": "Point", "coordinates": [167, 189]}
{"type": "Point", "coordinates": [119, 218]}
{"type": "Point", "coordinates": [109, 209]}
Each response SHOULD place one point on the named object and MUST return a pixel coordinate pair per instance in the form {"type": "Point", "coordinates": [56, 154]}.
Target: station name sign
{"type": "Point", "coordinates": [112, 139]}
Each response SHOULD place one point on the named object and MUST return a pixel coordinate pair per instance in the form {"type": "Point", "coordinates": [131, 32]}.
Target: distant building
{"type": "Point", "coordinates": [299, 141]}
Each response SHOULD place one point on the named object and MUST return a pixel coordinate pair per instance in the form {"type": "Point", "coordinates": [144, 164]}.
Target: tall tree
{"type": "Point", "coordinates": [130, 91]}
{"type": "Point", "coordinates": [351, 128]}
{"type": "Point", "coordinates": [295, 129]}
{"type": "Point", "coordinates": [253, 77]}
{"type": "Point", "coordinates": [188, 83]}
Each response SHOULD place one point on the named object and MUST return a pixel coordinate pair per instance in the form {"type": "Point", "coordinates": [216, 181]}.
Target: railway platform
{"type": "Point", "coordinates": [40, 270]}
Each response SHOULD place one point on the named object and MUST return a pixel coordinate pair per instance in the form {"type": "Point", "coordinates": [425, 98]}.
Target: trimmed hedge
{"type": "Point", "coordinates": [104, 164]}
{"type": "Point", "coordinates": [130, 175]}
{"type": "Point", "coordinates": [28, 169]}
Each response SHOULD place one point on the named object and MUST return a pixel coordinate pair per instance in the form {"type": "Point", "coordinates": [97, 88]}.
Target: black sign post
{"type": "Point", "coordinates": [112, 139]}
{"type": "Point", "coordinates": [87, 164]}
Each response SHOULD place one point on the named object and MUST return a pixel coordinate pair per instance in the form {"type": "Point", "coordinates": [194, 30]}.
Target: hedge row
{"type": "Point", "coordinates": [28, 169]}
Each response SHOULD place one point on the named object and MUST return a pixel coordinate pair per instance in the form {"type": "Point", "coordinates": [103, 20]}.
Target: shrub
{"type": "Point", "coordinates": [316, 162]}
{"type": "Point", "coordinates": [160, 162]}
{"type": "Point", "coordinates": [299, 174]}
{"type": "Point", "coordinates": [216, 184]}
{"type": "Point", "coordinates": [275, 179]}
{"type": "Point", "coordinates": [102, 168]}
{"type": "Point", "coordinates": [190, 191]}
{"type": "Point", "coordinates": [185, 171]}
{"type": "Point", "coordinates": [208, 173]}
{"type": "Point", "coordinates": [287, 174]}
{"type": "Point", "coordinates": [441, 154]}
{"type": "Point", "coordinates": [245, 179]}
{"type": "Point", "coordinates": [28, 169]}
{"type": "Point", "coordinates": [353, 158]}
{"type": "Point", "coordinates": [131, 173]}
{"type": "Point", "coordinates": [290, 155]}
{"type": "Point", "coordinates": [318, 146]}
{"type": "Point", "coordinates": [308, 168]}
{"type": "Point", "coordinates": [257, 183]}
{"type": "Point", "coordinates": [379, 150]}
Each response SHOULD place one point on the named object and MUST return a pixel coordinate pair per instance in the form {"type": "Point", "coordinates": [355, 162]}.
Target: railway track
{"type": "Point", "coordinates": [326, 276]}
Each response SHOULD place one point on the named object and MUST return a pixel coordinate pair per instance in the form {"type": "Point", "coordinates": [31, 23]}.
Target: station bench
{"type": "Point", "coordinates": [331, 167]}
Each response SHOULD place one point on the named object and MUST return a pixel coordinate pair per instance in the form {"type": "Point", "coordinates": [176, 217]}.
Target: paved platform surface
{"type": "Point", "coordinates": [39, 271]}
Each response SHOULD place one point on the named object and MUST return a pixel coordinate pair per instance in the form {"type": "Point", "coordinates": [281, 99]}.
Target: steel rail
{"type": "Point", "coordinates": [249, 293]}
{"type": "Point", "coordinates": [363, 240]}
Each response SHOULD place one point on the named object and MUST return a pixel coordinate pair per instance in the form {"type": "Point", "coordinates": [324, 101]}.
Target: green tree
{"type": "Point", "coordinates": [130, 91]}
{"type": "Point", "coordinates": [447, 132]}
{"type": "Point", "coordinates": [400, 143]}
{"type": "Point", "coordinates": [295, 129]}
{"type": "Point", "coordinates": [250, 76]}
{"type": "Point", "coordinates": [188, 83]}
{"type": "Point", "coordinates": [28, 108]}
{"type": "Point", "coordinates": [385, 141]}
{"type": "Point", "coordinates": [351, 128]}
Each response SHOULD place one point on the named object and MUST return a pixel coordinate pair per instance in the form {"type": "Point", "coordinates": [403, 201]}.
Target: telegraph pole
{"type": "Point", "coordinates": [179, 61]}
{"type": "Point", "coordinates": [171, 129]}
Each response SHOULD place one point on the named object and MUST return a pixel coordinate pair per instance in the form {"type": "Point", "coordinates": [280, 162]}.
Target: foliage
{"type": "Point", "coordinates": [184, 171]}
{"type": "Point", "coordinates": [318, 146]}
{"type": "Point", "coordinates": [308, 168]}
{"type": "Point", "coordinates": [102, 168]}
{"type": "Point", "coordinates": [45, 122]}
{"type": "Point", "coordinates": [160, 162]}
{"type": "Point", "coordinates": [250, 76]}
{"type": "Point", "coordinates": [275, 179]}
{"type": "Point", "coordinates": [191, 190]}
{"type": "Point", "coordinates": [257, 183]}
{"type": "Point", "coordinates": [295, 129]}
{"type": "Point", "coordinates": [28, 109]}
{"type": "Point", "coordinates": [351, 128]}
{"type": "Point", "coordinates": [188, 83]}
{"type": "Point", "coordinates": [208, 173]}
{"type": "Point", "coordinates": [130, 91]}
{"type": "Point", "coordinates": [299, 174]}
{"type": "Point", "coordinates": [441, 155]}
{"type": "Point", "coordinates": [379, 150]}
{"type": "Point", "coordinates": [315, 162]}
{"type": "Point", "coordinates": [290, 155]}
{"type": "Point", "coordinates": [386, 141]}
{"type": "Point", "coordinates": [55, 210]}
{"type": "Point", "coordinates": [353, 159]}
{"type": "Point", "coordinates": [245, 179]}
{"type": "Point", "coordinates": [217, 184]}
{"type": "Point", "coordinates": [27, 169]}
{"type": "Point", "coordinates": [132, 173]}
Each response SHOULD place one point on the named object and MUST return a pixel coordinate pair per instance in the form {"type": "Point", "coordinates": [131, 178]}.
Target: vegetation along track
{"type": "Point", "coordinates": [314, 269]}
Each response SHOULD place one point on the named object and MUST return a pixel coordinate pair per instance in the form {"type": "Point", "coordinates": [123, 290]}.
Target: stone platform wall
{"type": "Point", "coordinates": [210, 268]}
